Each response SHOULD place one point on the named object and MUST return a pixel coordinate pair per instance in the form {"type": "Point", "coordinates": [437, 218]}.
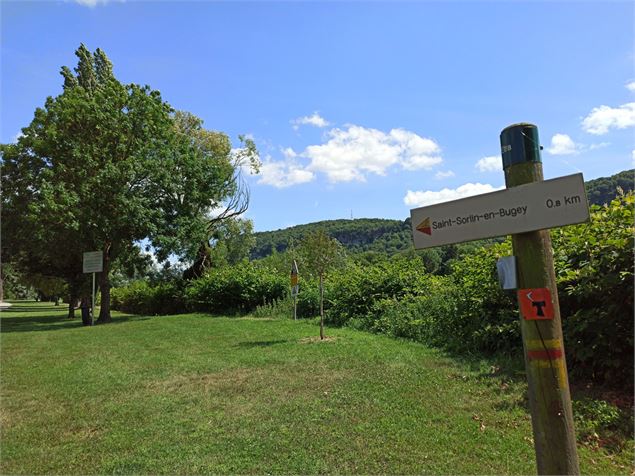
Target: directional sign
{"type": "Point", "coordinates": [93, 261]}
{"type": "Point", "coordinates": [294, 274]}
{"type": "Point", "coordinates": [534, 206]}
{"type": "Point", "coordinates": [535, 304]}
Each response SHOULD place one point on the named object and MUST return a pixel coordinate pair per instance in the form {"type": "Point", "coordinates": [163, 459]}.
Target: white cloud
{"type": "Point", "coordinates": [601, 145]}
{"type": "Point", "coordinates": [350, 154]}
{"type": "Point", "coordinates": [313, 120]}
{"type": "Point", "coordinates": [562, 144]}
{"type": "Point", "coordinates": [603, 118]}
{"type": "Point", "coordinates": [289, 153]}
{"type": "Point", "coordinates": [14, 139]}
{"type": "Point", "coordinates": [631, 86]}
{"type": "Point", "coordinates": [421, 199]}
{"type": "Point", "coordinates": [282, 174]}
{"type": "Point", "coordinates": [492, 163]}
{"type": "Point", "coordinates": [443, 175]}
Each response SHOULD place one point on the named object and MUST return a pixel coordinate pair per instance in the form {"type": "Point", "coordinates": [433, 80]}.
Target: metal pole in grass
{"type": "Point", "coordinates": [549, 396]}
{"type": "Point", "coordinates": [294, 288]}
{"type": "Point", "coordinates": [92, 314]}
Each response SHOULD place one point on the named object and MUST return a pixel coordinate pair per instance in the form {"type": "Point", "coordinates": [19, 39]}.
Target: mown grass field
{"type": "Point", "coordinates": [201, 394]}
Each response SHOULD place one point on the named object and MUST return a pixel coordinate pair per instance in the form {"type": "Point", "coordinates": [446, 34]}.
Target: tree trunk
{"type": "Point", "coordinates": [321, 308]}
{"type": "Point", "coordinates": [104, 288]}
{"type": "Point", "coordinates": [85, 307]}
{"type": "Point", "coordinates": [201, 264]}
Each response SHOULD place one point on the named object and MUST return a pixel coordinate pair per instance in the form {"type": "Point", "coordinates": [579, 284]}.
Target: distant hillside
{"type": "Point", "coordinates": [394, 236]}
{"type": "Point", "coordinates": [358, 235]}
{"type": "Point", "coordinates": [602, 190]}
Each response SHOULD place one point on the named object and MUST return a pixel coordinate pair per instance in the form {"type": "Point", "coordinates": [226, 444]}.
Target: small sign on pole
{"type": "Point", "coordinates": [93, 263]}
{"type": "Point", "coordinates": [535, 304]}
{"type": "Point", "coordinates": [506, 267]}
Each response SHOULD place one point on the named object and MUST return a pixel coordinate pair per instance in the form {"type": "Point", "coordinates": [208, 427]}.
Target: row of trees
{"type": "Point", "coordinates": [104, 165]}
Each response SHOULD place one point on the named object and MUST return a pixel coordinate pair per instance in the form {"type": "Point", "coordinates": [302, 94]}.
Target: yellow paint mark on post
{"type": "Point", "coordinates": [557, 365]}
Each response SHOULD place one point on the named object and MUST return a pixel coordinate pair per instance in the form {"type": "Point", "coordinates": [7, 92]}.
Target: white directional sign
{"type": "Point", "coordinates": [534, 206]}
{"type": "Point", "coordinates": [93, 261]}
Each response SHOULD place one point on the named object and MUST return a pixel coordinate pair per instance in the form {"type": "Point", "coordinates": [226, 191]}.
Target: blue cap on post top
{"type": "Point", "coordinates": [520, 143]}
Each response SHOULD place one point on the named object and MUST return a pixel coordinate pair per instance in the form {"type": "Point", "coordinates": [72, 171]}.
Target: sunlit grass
{"type": "Point", "coordinates": [197, 394]}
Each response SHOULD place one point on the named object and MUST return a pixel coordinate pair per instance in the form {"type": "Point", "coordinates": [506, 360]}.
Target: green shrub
{"type": "Point", "coordinates": [141, 298]}
{"type": "Point", "coordinates": [353, 292]}
{"type": "Point", "coordinates": [594, 264]}
{"type": "Point", "coordinates": [309, 298]}
{"type": "Point", "coordinates": [485, 317]}
{"type": "Point", "coordinates": [235, 289]}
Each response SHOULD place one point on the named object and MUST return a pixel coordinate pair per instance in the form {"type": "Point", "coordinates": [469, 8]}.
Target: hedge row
{"type": "Point", "coordinates": [236, 289]}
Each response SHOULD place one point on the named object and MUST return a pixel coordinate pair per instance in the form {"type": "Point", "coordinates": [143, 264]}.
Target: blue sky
{"type": "Point", "coordinates": [363, 108]}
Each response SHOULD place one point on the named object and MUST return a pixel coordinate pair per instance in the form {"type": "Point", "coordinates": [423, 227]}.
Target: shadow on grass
{"type": "Point", "coordinates": [52, 307]}
{"type": "Point", "coordinates": [260, 343]}
{"type": "Point", "coordinates": [46, 323]}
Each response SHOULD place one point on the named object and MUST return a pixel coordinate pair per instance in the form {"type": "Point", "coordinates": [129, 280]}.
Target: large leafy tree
{"type": "Point", "coordinates": [104, 165]}
{"type": "Point", "coordinates": [199, 232]}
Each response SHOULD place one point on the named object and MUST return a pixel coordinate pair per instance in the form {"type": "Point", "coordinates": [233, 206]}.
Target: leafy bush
{"type": "Point", "coordinates": [239, 288]}
{"type": "Point", "coordinates": [594, 264]}
{"type": "Point", "coordinates": [354, 291]}
{"type": "Point", "coordinates": [486, 317]}
{"type": "Point", "coordinates": [309, 298]}
{"type": "Point", "coordinates": [141, 298]}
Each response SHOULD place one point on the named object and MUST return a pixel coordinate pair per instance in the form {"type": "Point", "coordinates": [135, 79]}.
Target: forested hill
{"type": "Point", "coordinates": [602, 190]}
{"type": "Point", "coordinates": [393, 236]}
{"type": "Point", "coordinates": [357, 235]}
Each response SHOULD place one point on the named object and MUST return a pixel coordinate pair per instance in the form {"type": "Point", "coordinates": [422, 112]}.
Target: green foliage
{"type": "Point", "coordinates": [354, 290]}
{"type": "Point", "coordinates": [232, 240]}
{"type": "Point", "coordinates": [359, 235]}
{"type": "Point", "coordinates": [14, 284]}
{"type": "Point", "coordinates": [601, 423]}
{"type": "Point", "coordinates": [278, 308]}
{"type": "Point", "coordinates": [486, 317]}
{"type": "Point", "coordinates": [309, 298]}
{"type": "Point", "coordinates": [140, 297]}
{"type": "Point", "coordinates": [104, 165]}
{"type": "Point", "coordinates": [320, 254]}
{"type": "Point", "coordinates": [47, 287]}
{"type": "Point", "coordinates": [240, 288]}
{"type": "Point", "coordinates": [594, 263]}
{"type": "Point", "coordinates": [603, 190]}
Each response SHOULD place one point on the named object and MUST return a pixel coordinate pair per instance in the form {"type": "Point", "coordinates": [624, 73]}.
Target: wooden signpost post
{"type": "Point", "coordinates": [526, 210]}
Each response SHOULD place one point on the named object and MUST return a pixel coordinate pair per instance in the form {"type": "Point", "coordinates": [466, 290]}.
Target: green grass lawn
{"type": "Point", "coordinates": [198, 394]}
